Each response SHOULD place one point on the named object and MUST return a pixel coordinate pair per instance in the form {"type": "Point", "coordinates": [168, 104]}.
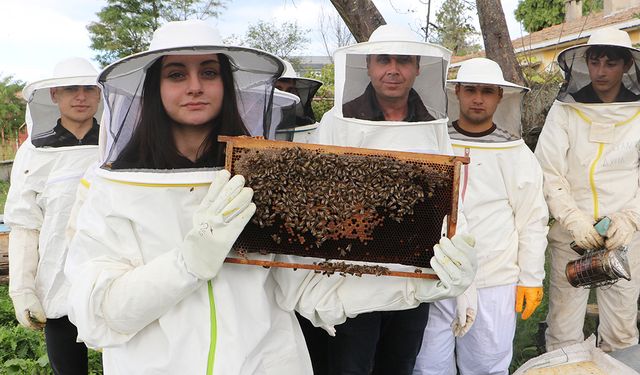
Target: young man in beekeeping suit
{"type": "Point", "coordinates": [506, 212]}
{"type": "Point", "coordinates": [62, 143]}
{"type": "Point", "coordinates": [589, 151]}
{"type": "Point", "coordinates": [389, 94]}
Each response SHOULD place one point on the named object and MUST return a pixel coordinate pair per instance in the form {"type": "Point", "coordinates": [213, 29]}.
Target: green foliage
{"type": "Point", "coordinates": [537, 14]}
{"type": "Point", "coordinates": [323, 100]}
{"type": "Point", "coordinates": [281, 40]}
{"type": "Point", "coordinates": [178, 10]}
{"type": "Point", "coordinates": [589, 6]}
{"type": "Point", "coordinates": [23, 351]}
{"type": "Point", "coordinates": [455, 29]}
{"type": "Point", "coordinates": [12, 106]}
{"type": "Point", "coordinates": [126, 26]}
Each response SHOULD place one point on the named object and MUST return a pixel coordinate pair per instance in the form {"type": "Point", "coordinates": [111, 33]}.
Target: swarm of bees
{"type": "Point", "coordinates": [331, 196]}
{"type": "Point", "coordinates": [342, 268]}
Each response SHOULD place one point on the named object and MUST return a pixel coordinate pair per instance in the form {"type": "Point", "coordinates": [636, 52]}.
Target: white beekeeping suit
{"type": "Point", "coordinates": [42, 191]}
{"type": "Point", "coordinates": [505, 210]}
{"type": "Point", "coordinates": [589, 154]}
{"type": "Point", "coordinates": [392, 60]}
{"type": "Point", "coordinates": [148, 283]}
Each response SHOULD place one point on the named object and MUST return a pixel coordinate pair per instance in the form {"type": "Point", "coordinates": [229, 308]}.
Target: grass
{"type": "Point", "coordinates": [23, 351]}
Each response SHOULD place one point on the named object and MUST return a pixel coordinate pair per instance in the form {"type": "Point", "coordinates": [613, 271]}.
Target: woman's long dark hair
{"type": "Point", "coordinates": [152, 145]}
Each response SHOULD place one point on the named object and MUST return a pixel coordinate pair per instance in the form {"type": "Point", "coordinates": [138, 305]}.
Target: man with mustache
{"type": "Point", "coordinates": [390, 95]}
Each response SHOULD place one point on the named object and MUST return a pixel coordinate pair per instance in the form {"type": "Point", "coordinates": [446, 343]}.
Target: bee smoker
{"type": "Point", "coordinates": [598, 267]}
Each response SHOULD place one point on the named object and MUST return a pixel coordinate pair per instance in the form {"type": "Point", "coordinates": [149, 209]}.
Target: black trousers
{"type": "Point", "coordinates": [376, 343]}
{"type": "Point", "coordinates": [66, 356]}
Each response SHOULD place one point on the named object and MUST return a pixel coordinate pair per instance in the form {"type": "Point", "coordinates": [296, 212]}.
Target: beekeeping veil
{"type": "Point", "coordinates": [254, 73]}
{"type": "Point", "coordinates": [573, 63]}
{"type": "Point", "coordinates": [42, 113]}
{"type": "Point", "coordinates": [481, 71]}
{"type": "Point", "coordinates": [352, 78]}
{"type": "Point", "coordinates": [305, 89]}
{"type": "Point", "coordinates": [283, 114]}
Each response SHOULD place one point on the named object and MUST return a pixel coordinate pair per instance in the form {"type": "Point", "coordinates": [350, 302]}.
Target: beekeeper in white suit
{"type": "Point", "coordinates": [589, 150]}
{"type": "Point", "coordinates": [148, 283]}
{"type": "Point", "coordinates": [302, 87]}
{"type": "Point", "coordinates": [62, 142]}
{"type": "Point", "coordinates": [389, 95]}
{"type": "Point", "coordinates": [506, 212]}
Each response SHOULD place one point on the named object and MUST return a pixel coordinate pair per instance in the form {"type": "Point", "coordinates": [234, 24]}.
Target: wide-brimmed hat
{"type": "Point", "coordinates": [351, 67]}
{"type": "Point", "coordinates": [574, 65]}
{"type": "Point", "coordinates": [74, 71]}
{"type": "Point", "coordinates": [42, 113]}
{"type": "Point", "coordinates": [194, 37]}
{"type": "Point", "coordinates": [481, 71]}
{"type": "Point", "coordinates": [607, 36]}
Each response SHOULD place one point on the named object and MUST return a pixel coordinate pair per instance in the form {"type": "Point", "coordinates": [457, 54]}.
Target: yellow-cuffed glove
{"type": "Point", "coordinates": [530, 297]}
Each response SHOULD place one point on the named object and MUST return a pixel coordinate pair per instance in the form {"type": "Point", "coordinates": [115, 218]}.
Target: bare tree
{"type": "Point", "coordinates": [361, 17]}
{"type": "Point", "coordinates": [334, 32]}
{"type": "Point", "coordinates": [497, 42]}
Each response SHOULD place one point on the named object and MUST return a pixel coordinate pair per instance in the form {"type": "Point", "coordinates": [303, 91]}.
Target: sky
{"type": "Point", "coordinates": [35, 34]}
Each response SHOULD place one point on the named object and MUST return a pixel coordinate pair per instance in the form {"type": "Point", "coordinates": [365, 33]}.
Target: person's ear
{"type": "Point", "coordinates": [500, 93]}
{"type": "Point", "coordinates": [628, 66]}
{"type": "Point", "coordinates": [457, 89]}
{"type": "Point", "coordinates": [53, 93]}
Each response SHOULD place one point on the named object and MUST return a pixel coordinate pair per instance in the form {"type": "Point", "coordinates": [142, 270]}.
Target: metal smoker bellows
{"type": "Point", "coordinates": [344, 204]}
{"type": "Point", "coordinates": [596, 268]}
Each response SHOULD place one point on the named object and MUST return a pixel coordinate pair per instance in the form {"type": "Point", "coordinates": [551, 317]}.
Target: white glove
{"type": "Point", "coordinates": [581, 228]}
{"type": "Point", "coordinates": [217, 223]}
{"type": "Point", "coordinates": [466, 308]}
{"type": "Point", "coordinates": [29, 311]}
{"type": "Point", "coordinates": [23, 266]}
{"type": "Point", "coordinates": [455, 264]}
{"type": "Point", "coordinates": [620, 230]}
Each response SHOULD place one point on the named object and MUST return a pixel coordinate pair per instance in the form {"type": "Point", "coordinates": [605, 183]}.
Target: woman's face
{"type": "Point", "coordinates": [191, 88]}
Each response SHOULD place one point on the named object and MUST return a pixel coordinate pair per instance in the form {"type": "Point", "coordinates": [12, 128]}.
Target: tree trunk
{"type": "Point", "coordinates": [497, 42]}
{"type": "Point", "coordinates": [361, 17]}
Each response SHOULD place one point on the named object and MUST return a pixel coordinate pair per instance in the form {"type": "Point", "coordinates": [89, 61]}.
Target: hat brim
{"type": "Point", "coordinates": [504, 84]}
{"type": "Point", "coordinates": [243, 58]}
{"type": "Point", "coordinates": [570, 52]}
{"type": "Point", "coordinates": [31, 88]}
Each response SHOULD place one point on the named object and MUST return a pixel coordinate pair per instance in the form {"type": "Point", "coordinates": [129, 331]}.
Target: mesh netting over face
{"type": "Point", "coordinates": [574, 64]}
{"type": "Point", "coordinates": [420, 77]}
{"type": "Point", "coordinates": [507, 116]}
{"type": "Point", "coordinates": [254, 74]}
{"type": "Point", "coordinates": [426, 71]}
